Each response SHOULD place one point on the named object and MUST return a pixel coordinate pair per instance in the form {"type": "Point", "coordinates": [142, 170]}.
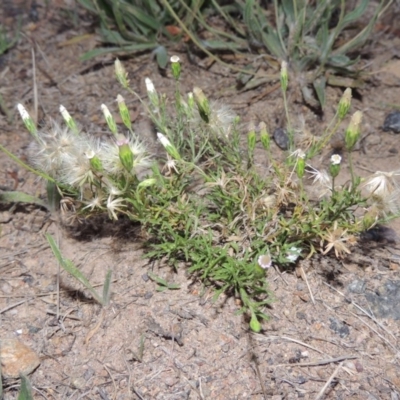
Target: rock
{"type": "Point", "coordinates": [384, 302]}
{"type": "Point", "coordinates": [17, 359]}
{"type": "Point", "coordinates": [392, 122]}
{"type": "Point", "coordinates": [281, 138]}
{"type": "Point", "coordinates": [339, 327]}
{"type": "Point", "coordinates": [357, 286]}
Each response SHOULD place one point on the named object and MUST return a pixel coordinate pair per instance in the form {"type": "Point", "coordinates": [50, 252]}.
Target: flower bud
{"type": "Point", "coordinates": [125, 152]}
{"type": "Point", "coordinates": [284, 76]}
{"type": "Point", "coordinates": [334, 168]}
{"type": "Point", "coordinates": [265, 138]}
{"type": "Point", "coordinates": [121, 74]}
{"type": "Point", "coordinates": [172, 151]}
{"type": "Point", "coordinates": [202, 104]}
{"type": "Point", "coordinates": [176, 67]}
{"type": "Point", "coordinates": [69, 120]}
{"type": "Point", "coordinates": [152, 93]}
{"type": "Point", "coordinates": [255, 325]}
{"type": "Point", "coordinates": [109, 119]}
{"type": "Point", "coordinates": [147, 183]}
{"type": "Point", "coordinates": [300, 167]}
{"type": "Point", "coordinates": [344, 104]}
{"type": "Point", "coordinates": [191, 102]}
{"type": "Point", "coordinates": [28, 121]}
{"type": "Point", "coordinates": [95, 162]}
{"type": "Point", "coordinates": [353, 131]}
{"type": "Point", "coordinates": [124, 112]}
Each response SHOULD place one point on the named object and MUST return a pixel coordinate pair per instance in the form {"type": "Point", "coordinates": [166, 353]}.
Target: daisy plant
{"type": "Point", "coordinates": [207, 202]}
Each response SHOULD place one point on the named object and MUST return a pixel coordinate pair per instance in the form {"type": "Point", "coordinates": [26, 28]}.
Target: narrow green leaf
{"type": "Point", "coordinates": [53, 196]}
{"type": "Point", "coordinates": [113, 37]}
{"type": "Point", "coordinates": [25, 392]}
{"type": "Point", "coordinates": [20, 197]}
{"type": "Point", "coordinates": [320, 86]}
{"type": "Point", "coordinates": [151, 22]}
{"type": "Point", "coordinates": [72, 269]}
{"type": "Point", "coordinates": [352, 16]}
{"type": "Point", "coordinates": [273, 44]}
{"type": "Point", "coordinates": [157, 279]}
{"type": "Point", "coordinates": [161, 56]}
{"type": "Point", "coordinates": [358, 40]}
{"type": "Point", "coordinates": [134, 48]}
{"type": "Point", "coordinates": [107, 288]}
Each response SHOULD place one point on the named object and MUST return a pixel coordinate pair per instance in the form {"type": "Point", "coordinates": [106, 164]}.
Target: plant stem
{"type": "Point", "coordinates": [26, 166]}
{"type": "Point", "coordinates": [351, 170]}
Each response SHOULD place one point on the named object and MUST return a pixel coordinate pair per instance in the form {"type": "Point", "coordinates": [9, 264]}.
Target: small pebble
{"type": "Point", "coordinates": [392, 122]}
{"type": "Point", "coordinates": [17, 359]}
{"type": "Point", "coordinates": [339, 327]}
{"type": "Point", "coordinates": [357, 286]}
{"type": "Point", "coordinates": [281, 138]}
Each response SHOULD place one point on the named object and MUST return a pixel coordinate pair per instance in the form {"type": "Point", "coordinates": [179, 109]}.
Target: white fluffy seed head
{"type": "Point", "coordinates": [111, 162]}
{"type": "Point", "coordinates": [221, 121]}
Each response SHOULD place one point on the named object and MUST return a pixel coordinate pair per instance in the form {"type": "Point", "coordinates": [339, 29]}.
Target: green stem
{"type": "Point", "coordinates": [351, 168]}
{"type": "Point", "coordinates": [26, 166]}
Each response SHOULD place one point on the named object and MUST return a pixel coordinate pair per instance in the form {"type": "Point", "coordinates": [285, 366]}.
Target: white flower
{"type": "Point", "coordinates": [174, 59]}
{"type": "Point", "coordinates": [264, 261]}
{"type": "Point", "coordinates": [336, 159]}
{"type": "Point", "coordinates": [90, 154]}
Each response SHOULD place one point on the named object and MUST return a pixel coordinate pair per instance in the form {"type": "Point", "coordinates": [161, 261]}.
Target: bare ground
{"type": "Point", "coordinates": [328, 334]}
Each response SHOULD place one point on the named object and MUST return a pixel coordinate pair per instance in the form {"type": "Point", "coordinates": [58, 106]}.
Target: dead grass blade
{"type": "Point", "coordinates": [328, 382]}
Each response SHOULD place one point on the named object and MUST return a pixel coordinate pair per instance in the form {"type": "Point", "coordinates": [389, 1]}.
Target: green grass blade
{"type": "Point", "coordinates": [320, 86]}
{"type": "Point", "coordinates": [107, 288]}
{"type": "Point", "coordinates": [20, 197]}
{"type": "Point", "coordinates": [72, 269]}
{"type": "Point", "coordinates": [25, 392]}
{"type": "Point", "coordinates": [151, 22]}
{"type": "Point", "coordinates": [134, 48]}
{"type": "Point", "coordinates": [161, 56]}
{"type": "Point", "coordinates": [232, 23]}
{"type": "Point", "coordinates": [157, 279]}
{"type": "Point", "coordinates": [355, 14]}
